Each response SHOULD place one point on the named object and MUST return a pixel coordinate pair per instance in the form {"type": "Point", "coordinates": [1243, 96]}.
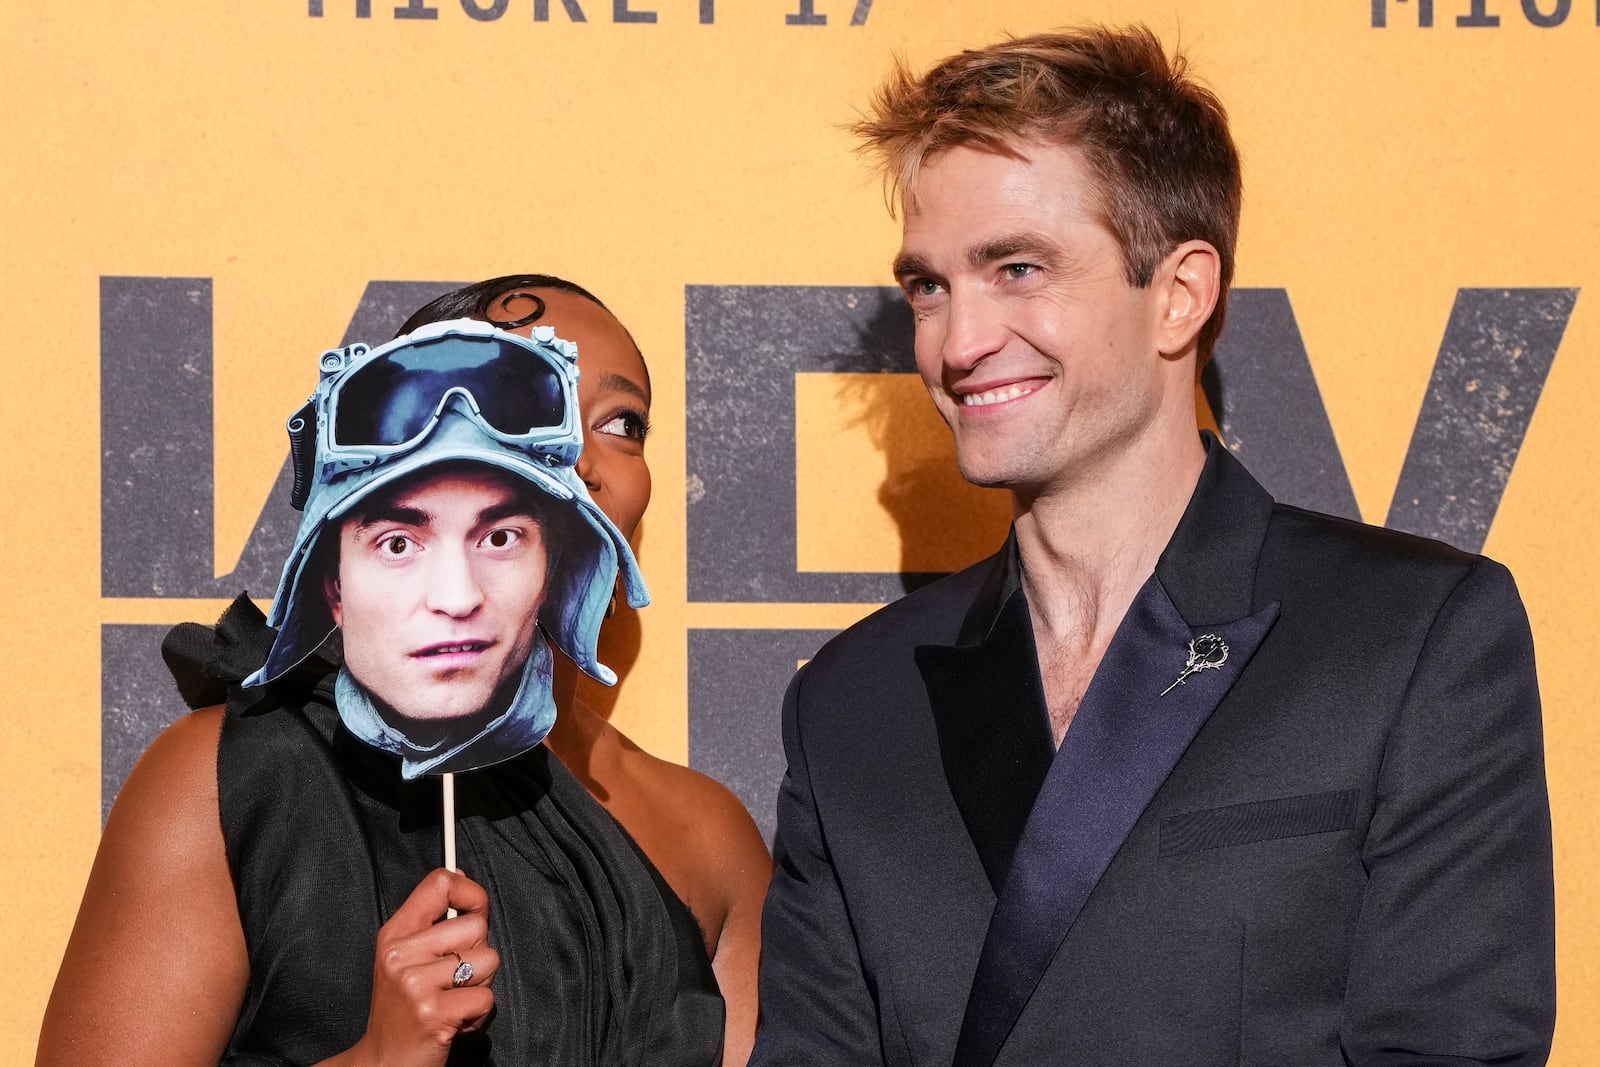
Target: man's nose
{"type": "Point", "coordinates": [453, 585]}
{"type": "Point", "coordinates": [973, 329]}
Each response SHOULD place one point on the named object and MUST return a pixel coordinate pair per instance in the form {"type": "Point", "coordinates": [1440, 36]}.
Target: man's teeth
{"type": "Point", "coordinates": [445, 650]}
{"type": "Point", "coordinates": [994, 396]}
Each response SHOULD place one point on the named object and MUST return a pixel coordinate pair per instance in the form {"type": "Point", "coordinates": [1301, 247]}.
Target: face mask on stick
{"type": "Point", "coordinates": [447, 531]}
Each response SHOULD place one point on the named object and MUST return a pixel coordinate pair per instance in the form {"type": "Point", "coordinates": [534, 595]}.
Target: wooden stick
{"type": "Point", "coordinates": [448, 781]}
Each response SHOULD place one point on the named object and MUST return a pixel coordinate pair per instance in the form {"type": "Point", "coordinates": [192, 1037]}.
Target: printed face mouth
{"type": "Point", "coordinates": [444, 649]}
{"type": "Point", "coordinates": [451, 653]}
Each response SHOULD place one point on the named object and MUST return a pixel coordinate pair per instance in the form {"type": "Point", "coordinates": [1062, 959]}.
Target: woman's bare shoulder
{"type": "Point", "coordinates": [665, 806]}
{"type": "Point", "coordinates": [705, 811]}
{"type": "Point", "coordinates": [169, 801]}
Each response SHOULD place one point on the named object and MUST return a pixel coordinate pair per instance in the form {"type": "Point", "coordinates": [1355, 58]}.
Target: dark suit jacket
{"type": "Point", "coordinates": [1332, 848]}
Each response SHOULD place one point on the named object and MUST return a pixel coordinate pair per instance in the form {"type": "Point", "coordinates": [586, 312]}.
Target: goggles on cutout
{"type": "Point", "coordinates": [378, 404]}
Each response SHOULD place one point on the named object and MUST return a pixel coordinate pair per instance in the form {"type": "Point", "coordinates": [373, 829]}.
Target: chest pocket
{"type": "Point", "coordinates": [1260, 820]}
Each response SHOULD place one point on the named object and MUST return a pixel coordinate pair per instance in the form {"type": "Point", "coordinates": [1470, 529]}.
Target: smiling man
{"type": "Point", "coordinates": [1181, 776]}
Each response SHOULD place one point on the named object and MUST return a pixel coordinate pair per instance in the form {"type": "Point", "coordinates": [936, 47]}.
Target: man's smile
{"type": "Point", "coordinates": [988, 395]}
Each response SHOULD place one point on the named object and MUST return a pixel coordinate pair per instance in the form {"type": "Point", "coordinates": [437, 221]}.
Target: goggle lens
{"type": "Point", "coordinates": [391, 399]}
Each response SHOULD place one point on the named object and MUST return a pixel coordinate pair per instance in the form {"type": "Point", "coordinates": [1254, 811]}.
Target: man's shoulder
{"type": "Point", "coordinates": [930, 615]}
{"type": "Point", "coordinates": [1351, 560]}
{"type": "Point", "coordinates": [1299, 529]}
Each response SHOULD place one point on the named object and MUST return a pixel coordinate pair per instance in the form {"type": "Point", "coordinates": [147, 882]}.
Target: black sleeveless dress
{"type": "Point", "coordinates": [601, 963]}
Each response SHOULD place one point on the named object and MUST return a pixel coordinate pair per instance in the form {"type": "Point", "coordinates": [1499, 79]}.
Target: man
{"type": "Point", "coordinates": [1181, 776]}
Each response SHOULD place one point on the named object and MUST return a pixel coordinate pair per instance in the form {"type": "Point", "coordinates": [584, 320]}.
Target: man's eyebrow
{"type": "Point", "coordinates": [907, 263]}
{"type": "Point", "coordinates": [511, 509]}
{"type": "Point", "coordinates": [399, 514]}
{"type": "Point", "coordinates": [1016, 244]}
{"type": "Point", "coordinates": [621, 383]}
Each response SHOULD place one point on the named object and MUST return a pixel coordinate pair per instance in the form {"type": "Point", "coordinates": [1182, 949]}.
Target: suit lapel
{"type": "Point", "coordinates": [1124, 741]}
{"type": "Point", "coordinates": [994, 732]}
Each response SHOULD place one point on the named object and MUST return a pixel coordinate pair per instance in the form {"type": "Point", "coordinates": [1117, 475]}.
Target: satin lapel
{"type": "Point", "coordinates": [994, 733]}
{"type": "Point", "coordinates": [1124, 740]}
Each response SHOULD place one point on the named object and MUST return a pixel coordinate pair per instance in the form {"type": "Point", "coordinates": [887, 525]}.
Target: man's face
{"type": "Point", "coordinates": [438, 593]}
{"type": "Point", "coordinates": [1036, 350]}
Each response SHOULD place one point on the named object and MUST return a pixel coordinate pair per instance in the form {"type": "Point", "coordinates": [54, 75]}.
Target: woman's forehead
{"type": "Point", "coordinates": [605, 348]}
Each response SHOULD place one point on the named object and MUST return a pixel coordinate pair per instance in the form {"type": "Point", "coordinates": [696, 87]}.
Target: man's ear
{"type": "Point", "coordinates": [1190, 281]}
{"type": "Point", "coordinates": [330, 594]}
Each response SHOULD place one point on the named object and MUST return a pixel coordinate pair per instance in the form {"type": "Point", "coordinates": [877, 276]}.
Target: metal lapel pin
{"type": "Point", "coordinates": [1205, 652]}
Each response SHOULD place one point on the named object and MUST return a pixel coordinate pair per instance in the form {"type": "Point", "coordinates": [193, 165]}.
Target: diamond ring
{"type": "Point", "coordinates": [463, 973]}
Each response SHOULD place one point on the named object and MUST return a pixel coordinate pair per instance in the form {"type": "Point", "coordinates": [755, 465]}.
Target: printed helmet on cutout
{"type": "Point", "coordinates": [450, 392]}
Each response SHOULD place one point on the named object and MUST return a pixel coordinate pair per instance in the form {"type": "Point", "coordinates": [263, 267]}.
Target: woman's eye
{"type": "Point", "coordinates": [629, 424]}
{"type": "Point", "coordinates": [502, 538]}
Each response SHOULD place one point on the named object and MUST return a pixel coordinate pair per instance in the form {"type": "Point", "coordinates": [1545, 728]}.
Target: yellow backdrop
{"type": "Point", "coordinates": [293, 151]}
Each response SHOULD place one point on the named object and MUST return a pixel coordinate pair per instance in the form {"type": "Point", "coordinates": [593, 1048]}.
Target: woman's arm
{"type": "Point", "coordinates": [156, 968]}
{"type": "Point", "coordinates": [737, 858]}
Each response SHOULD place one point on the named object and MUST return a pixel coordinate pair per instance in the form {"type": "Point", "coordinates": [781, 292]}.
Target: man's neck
{"type": "Point", "coordinates": [1087, 546]}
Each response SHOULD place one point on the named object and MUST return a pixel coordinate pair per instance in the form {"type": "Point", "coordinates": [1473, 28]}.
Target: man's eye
{"type": "Point", "coordinates": [502, 538]}
{"type": "Point", "coordinates": [1019, 270]}
{"type": "Point", "coordinates": [395, 545]}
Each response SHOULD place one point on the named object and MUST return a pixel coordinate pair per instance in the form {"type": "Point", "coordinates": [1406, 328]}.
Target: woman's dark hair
{"type": "Point", "coordinates": [473, 301]}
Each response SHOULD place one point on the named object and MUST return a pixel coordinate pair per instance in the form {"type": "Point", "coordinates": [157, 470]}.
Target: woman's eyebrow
{"type": "Point", "coordinates": [611, 381]}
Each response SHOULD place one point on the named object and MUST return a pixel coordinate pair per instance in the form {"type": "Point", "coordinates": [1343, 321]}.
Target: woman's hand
{"type": "Point", "coordinates": [418, 1007]}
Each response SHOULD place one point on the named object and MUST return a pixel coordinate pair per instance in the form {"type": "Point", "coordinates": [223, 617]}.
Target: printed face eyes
{"type": "Point", "coordinates": [398, 545]}
{"type": "Point", "coordinates": [505, 537]}
{"type": "Point", "coordinates": [438, 592]}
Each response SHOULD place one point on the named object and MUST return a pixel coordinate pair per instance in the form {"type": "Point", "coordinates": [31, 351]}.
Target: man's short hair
{"type": "Point", "coordinates": [1156, 140]}
{"type": "Point", "coordinates": [527, 496]}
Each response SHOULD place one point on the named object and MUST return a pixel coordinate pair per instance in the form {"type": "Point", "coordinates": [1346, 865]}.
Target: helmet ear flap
{"type": "Point", "coordinates": [302, 427]}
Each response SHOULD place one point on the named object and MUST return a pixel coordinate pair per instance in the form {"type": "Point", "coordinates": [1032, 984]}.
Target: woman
{"type": "Point", "coordinates": [163, 969]}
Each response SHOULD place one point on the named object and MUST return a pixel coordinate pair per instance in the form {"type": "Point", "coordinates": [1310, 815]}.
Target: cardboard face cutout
{"type": "Point", "coordinates": [484, 425]}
